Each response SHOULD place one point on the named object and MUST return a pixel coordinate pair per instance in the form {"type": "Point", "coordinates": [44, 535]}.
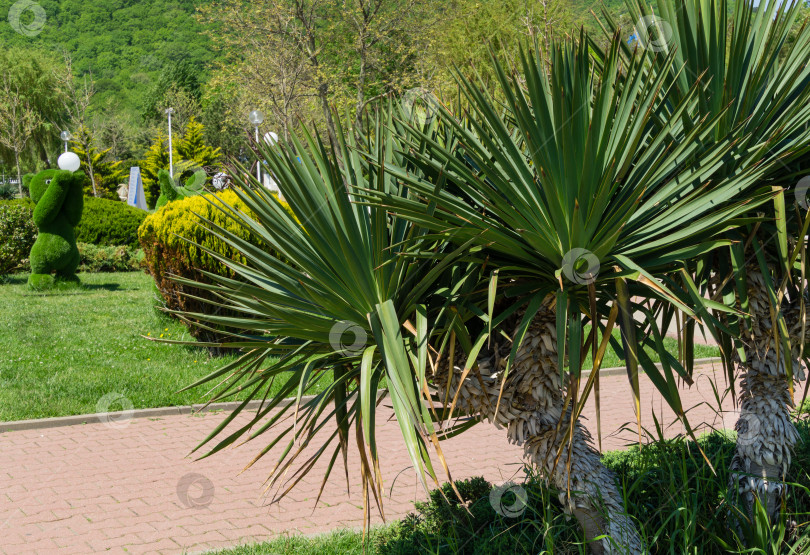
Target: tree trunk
{"type": "Point", "coordinates": [531, 408]}
{"type": "Point", "coordinates": [92, 174]}
{"type": "Point", "coordinates": [43, 153]}
{"type": "Point", "coordinates": [361, 88]}
{"type": "Point", "coordinates": [19, 173]}
{"type": "Point", "coordinates": [765, 432]}
{"type": "Point", "coordinates": [323, 94]}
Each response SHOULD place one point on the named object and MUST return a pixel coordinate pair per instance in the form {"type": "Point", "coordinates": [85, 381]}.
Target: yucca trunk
{"type": "Point", "coordinates": [531, 409]}
{"type": "Point", "coordinates": [765, 432]}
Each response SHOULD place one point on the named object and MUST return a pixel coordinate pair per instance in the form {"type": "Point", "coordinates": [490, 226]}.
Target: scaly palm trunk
{"type": "Point", "coordinates": [531, 410]}
{"type": "Point", "coordinates": [766, 434]}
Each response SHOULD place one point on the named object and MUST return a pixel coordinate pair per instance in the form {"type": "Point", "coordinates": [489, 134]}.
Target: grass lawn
{"type": "Point", "coordinates": [60, 353]}
{"type": "Point", "coordinates": [339, 542]}
{"type": "Point", "coordinates": [612, 360]}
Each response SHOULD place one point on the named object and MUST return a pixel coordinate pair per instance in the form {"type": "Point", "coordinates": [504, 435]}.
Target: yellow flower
{"type": "Point", "coordinates": [161, 335]}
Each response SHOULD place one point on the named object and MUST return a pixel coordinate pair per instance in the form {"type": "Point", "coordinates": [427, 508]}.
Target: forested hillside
{"type": "Point", "coordinates": [106, 70]}
{"type": "Point", "coordinates": [123, 44]}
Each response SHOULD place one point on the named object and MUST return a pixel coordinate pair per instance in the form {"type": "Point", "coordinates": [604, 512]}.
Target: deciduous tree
{"type": "Point", "coordinates": [18, 120]}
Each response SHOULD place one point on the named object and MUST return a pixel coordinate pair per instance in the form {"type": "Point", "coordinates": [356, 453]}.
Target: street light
{"type": "Point", "coordinates": [256, 118]}
{"type": "Point", "coordinates": [66, 136]}
{"type": "Point", "coordinates": [169, 112]}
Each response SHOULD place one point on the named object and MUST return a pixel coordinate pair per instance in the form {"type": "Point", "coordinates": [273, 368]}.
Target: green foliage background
{"type": "Point", "coordinates": [124, 44]}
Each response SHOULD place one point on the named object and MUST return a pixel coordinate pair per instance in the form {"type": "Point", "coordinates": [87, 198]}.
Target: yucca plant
{"type": "Point", "coordinates": [459, 256]}
{"type": "Point", "coordinates": [582, 188]}
{"type": "Point", "coordinates": [757, 80]}
{"type": "Point", "coordinates": [331, 303]}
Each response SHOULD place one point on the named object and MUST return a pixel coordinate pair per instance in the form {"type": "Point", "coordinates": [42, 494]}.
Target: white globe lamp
{"type": "Point", "coordinates": [256, 117]}
{"type": "Point", "coordinates": [271, 138]}
{"type": "Point", "coordinates": [69, 161]}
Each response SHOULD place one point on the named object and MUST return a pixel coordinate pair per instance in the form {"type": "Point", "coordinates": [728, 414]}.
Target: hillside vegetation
{"type": "Point", "coordinates": [123, 44]}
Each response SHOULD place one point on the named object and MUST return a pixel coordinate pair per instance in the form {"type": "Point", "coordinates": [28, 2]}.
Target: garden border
{"type": "Point", "coordinates": [61, 421]}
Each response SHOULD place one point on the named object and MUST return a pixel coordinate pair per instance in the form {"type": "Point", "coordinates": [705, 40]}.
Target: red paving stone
{"type": "Point", "coordinates": [100, 488]}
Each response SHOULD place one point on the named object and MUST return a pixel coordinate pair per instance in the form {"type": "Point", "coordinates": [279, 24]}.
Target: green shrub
{"type": "Point", "coordinates": [165, 236]}
{"type": "Point", "coordinates": [7, 191]}
{"type": "Point", "coordinates": [109, 222]}
{"type": "Point", "coordinates": [104, 222]}
{"type": "Point", "coordinates": [675, 497]}
{"type": "Point", "coordinates": [444, 526]}
{"type": "Point", "coordinates": [17, 235]}
{"type": "Point", "coordinates": [101, 259]}
{"type": "Point", "coordinates": [122, 258]}
{"type": "Point", "coordinates": [26, 202]}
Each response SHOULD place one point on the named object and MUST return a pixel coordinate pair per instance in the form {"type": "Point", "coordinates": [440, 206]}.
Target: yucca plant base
{"type": "Point", "coordinates": [765, 430]}
{"type": "Point", "coordinates": [532, 403]}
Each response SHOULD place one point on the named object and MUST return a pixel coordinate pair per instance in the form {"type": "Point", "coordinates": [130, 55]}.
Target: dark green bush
{"type": "Point", "coordinates": [110, 223]}
{"type": "Point", "coordinates": [17, 235]}
{"type": "Point", "coordinates": [104, 222]}
{"type": "Point", "coordinates": [102, 259]}
{"type": "Point", "coordinates": [7, 191]}
{"type": "Point", "coordinates": [96, 258]}
{"type": "Point", "coordinates": [445, 526]}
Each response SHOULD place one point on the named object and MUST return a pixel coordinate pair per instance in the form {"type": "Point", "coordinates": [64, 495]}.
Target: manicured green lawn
{"type": "Point", "coordinates": [60, 353]}
{"type": "Point", "coordinates": [612, 360]}
{"type": "Point", "coordinates": [339, 542]}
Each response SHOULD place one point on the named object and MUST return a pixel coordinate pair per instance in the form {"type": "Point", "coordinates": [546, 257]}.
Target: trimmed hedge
{"type": "Point", "coordinates": [104, 222]}
{"type": "Point", "coordinates": [17, 235]}
{"type": "Point", "coordinates": [110, 223]}
{"type": "Point", "coordinates": [164, 237]}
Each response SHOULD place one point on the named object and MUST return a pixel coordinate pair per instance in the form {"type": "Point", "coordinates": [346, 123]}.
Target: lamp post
{"type": "Point", "coordinates": [66, 136]}
{"type": "Point", "coordinates": [169, 112]}
{"type": "Point", "coordinates": [256, 118]}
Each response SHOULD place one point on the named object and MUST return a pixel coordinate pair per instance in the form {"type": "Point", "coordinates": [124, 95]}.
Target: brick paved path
{"type": "Point", "coordinates": [101, 488]}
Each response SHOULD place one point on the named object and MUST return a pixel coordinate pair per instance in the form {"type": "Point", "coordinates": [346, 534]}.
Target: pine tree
{"type": "Point", "coordinates": [191, 147]}
{"type": "Point", "coordinates": [157, 158]}
{"type": "Point", "coordinates": [190, 153]}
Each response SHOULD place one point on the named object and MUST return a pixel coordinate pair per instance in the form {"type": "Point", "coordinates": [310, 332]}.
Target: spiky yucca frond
{"type": "Point", "coordinates": [577, 169]}
{"type": "Point", "coordinates": [326, 305]}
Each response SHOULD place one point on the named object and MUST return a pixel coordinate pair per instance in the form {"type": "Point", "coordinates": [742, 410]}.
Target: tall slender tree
{"type": "Point", "coordinates": [18, 121]}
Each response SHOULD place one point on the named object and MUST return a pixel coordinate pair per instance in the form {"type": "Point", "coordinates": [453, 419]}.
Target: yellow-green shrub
{"type": "Point", "coordinates": [162, 235]}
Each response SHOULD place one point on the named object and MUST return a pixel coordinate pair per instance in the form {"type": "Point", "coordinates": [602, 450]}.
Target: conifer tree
{"type": "Point", "coordinates": [192, 147]}
{"type": "Point", "coordinates": [157, 158]}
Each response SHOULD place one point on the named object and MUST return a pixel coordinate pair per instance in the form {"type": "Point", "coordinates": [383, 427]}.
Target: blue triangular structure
{"type": "Point", "coordinates": [136, 196]}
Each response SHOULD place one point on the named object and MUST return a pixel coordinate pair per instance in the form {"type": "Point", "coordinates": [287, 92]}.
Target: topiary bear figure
{"type": "Point", "coordinates": [59, 200]}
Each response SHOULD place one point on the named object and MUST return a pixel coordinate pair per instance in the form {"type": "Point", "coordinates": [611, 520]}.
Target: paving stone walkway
{"type": "Point", "coordinates": [114, 487]}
